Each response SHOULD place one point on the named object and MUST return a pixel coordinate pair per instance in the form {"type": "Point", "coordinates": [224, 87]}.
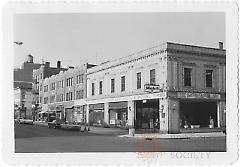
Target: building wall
{"type": "Point", "coordinates": [60, 89]}
{"type": "Point", "coordinates": [129, 69]}
{"type": "Point", "coordinates": [23, 98]}
{"type": "Point", "coordinates": [199, 60]}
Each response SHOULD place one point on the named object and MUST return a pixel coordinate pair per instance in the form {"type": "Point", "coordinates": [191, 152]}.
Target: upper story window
{"type": "Point", "coordinates": [139, 80]}
{"type": "Point", "coordinates": [209, 78]}
{"type": "Point", "coordinates": [93, 89]}
{"type": "Point", "coordinates": [79, 78]}
{"type": "Point", "coordinates": [187, 76]}
{"type": "Point", "coordinates": [52, 86]}
{"type": "Point", "coordinates": [69, 96]}
{"type": "Point", "coordinates": [52, 99]}
{"type": "Point", "coordinates": [152, 77]}
{"type": "Point", "coordinates": [100, 87]}
{"type": "Point", "coordinates": [45, 88]}
{"type": "Point", "coordinates": [62, 84]}
{"type": "Point", "coordinates": [79, 94]}
{"type": "Point", "coordinates": [41, 76]}
{"type": "Point", "coordinates": [123, 83]}
{"type": "Point", "coordinates": [69, 81]}
{"type": "Point", "coordinates": [112, 85]}
{"type": "Point", "coordinates": [45, 100]}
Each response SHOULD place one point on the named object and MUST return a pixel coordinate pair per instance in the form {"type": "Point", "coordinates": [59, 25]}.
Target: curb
{"type": "Point", "coordinates": [175, 136]}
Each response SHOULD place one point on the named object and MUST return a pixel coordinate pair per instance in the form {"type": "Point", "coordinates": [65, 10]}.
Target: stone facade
{"type": "Point", "coordinates": [163, 82]}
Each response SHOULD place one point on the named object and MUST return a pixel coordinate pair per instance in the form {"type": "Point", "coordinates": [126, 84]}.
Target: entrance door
{"type": "Point", "coordinates": [198, 113]}
{"type": "Point", "coordinates": [147, 114]}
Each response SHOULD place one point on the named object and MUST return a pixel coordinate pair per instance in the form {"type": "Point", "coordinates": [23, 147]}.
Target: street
{"type": "Point", "coordinates": [41, 139]}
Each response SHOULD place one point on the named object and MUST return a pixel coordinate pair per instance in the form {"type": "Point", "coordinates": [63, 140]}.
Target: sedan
{"type": "Point", "coordinates": [70, 127]}
{"type": "Point", "coordinates": [55, 124]}
{"type": "Point", "coordinates": [26, 121]}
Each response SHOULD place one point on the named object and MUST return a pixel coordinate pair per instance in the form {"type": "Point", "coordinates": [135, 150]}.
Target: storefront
{"type": "Point", "coordinates": [79, 114]}
{"type": "Point", "coordinates": [191, 112]}
{"type": "Point", "coordinates": [96, 114]}
{"type": "Point", "coordinates": [60, 112]}
{"type": "Point", "coordinates": [147, 114]}
{"type": "Point", "coordinates": [118, 114]}
{"type": "Point", "coordinates": [198, 113]}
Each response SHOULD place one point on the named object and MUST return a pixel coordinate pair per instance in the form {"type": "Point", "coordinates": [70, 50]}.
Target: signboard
{"type": "Point", "coordinates": [152, 88]}
{"type": "Point", "coordinates": [189, 95]}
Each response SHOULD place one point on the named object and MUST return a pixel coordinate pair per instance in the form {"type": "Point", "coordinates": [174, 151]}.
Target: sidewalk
{"type": "Point", "coordinates": [176, 136]}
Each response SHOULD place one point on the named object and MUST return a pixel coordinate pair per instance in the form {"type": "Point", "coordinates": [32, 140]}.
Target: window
{"type": "Point", "coordinates": [69, 81]}
{"type": "Point", "coordinates": [187, 77]}
{"type": "Point", "coordinates": [79, 94]}
{"type": "Point", "coordinates": [52, 99]}
{"type": "Point", "coordinates": [139, 80]}
{"type": "Point", "coordinates": [80, 79]}
{"type": "Point", "coordinates": [100, 87]}
{"type": "Point", "coordinates": [123, 83]}
{"type": "Point", "coordinates": [46, 88]}
{"type": "Point", "coordinates": [112, 85]}
{"type": "Point", "coordinates": [52, 86]}
{"type": "Point", "coordinates": [45, 100]}
{"type": "Point", "coordinates": [93, 89]}
{"type": "Point", "coordinates": [209, 78]}
{"type": "Point", "coordinates": [152, 77]}
{"type": "Point", "coordinates": [69, 96]}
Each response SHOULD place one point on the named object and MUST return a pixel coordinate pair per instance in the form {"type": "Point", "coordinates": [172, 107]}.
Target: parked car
{"type": "Point", "coordinates": [70, 127]}
{"type": "Point", "coordinates": [17, 120]}
{"type": "Point", "coordinates": [54, 124]}
{"type": "Point", "coordinates": [26, 121]}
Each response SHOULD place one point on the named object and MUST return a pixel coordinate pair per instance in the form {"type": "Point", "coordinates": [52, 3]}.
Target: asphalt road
{"type": "Point", "coordinates": [39, 139]}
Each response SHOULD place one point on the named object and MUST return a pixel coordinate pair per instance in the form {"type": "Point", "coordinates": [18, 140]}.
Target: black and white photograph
{"type": "Point", "coordinates": [146, 83]}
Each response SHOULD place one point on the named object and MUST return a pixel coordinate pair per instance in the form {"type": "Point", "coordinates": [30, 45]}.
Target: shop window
{"type": "Point", "coordinates": [152, 77]}
{"type": "Point", "coordinates": [112, 85]}
{"type": "Point", "coordinates": [187, 76]}
{"type": "Point", "coordinates": [139, 80]}
{"type": "Point", "coordinates": [93, 89]}
{"type": "Point", "coordinates": [123, 83]}
{"type": "Point", "coordinates": [100, 87]}
{"type": "Point", "coordinates": [209, 78]}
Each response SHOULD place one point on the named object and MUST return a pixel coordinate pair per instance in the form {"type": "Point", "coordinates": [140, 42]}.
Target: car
{"type": "Point", "coordinates": [71, 127]}
{"type": "Point", "coordinates": [55, 124]}
{"type": "Point", "coordinates": [26, 121]}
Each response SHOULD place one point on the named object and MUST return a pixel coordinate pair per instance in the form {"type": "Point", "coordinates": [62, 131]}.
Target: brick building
{"type": "Point", "coordinates": [23, 88]}
{"type": "Point", "coordinates": [171, 87]}
{"type": "Point", "coordinates": [63, 95]}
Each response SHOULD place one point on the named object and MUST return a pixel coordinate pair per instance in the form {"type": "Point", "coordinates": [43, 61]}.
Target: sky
{"type": "Point", "coordinates": [76, 38]}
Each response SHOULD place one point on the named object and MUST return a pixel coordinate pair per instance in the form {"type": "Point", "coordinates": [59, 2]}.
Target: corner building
{"type": "Point", "coordinates": [171, 87]}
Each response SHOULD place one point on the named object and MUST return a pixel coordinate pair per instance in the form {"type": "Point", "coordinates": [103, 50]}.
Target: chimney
{"type": "Point", "coordinates": [58, 64]}
{"type": "Point", "coordinates": [220, 45]}
{"type": "Point", "coordinates": [47, 64]}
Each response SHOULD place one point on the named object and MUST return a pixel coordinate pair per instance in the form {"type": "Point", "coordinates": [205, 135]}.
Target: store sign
{"type": "Point", "coordinates": [197, 95]}
{"type": "Point", "coordinates": [152, 88]}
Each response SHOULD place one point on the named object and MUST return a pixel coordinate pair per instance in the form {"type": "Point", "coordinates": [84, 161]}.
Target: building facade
{"type": "Point", "coordinates": [63, 95]}
{"type": "Point", "coordinates": [167, 87]}
{"type": "Point", "coordinates": [38, 76]}
{"type": "Point", "coordinates": [23, 101]}
{"type": "Point", "coordinates": [23, 88]}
